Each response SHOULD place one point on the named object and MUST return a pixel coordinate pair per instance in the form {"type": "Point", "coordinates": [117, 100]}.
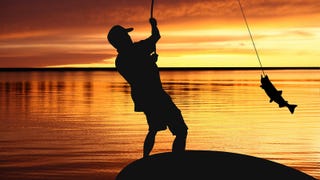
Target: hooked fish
{"type": "Point", "coordinates": [274, 94]}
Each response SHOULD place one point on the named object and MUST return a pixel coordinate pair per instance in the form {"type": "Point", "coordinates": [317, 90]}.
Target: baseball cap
{"type": "Point", "coordinates": [116, 32]}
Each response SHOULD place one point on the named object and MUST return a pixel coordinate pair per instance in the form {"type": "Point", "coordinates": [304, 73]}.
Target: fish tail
{"type": "Point", "coordinates": [291, 107]}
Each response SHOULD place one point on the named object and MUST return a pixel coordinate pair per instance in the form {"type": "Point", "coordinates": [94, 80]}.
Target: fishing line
{"type": "Point", "coordinates": [251, 37]}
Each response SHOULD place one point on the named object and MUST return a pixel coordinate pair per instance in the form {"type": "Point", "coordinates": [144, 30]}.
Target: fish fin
{"type": "Point", "coordinates": [280, 92]}
{"type": "Point", "coordinates": [291, 107]}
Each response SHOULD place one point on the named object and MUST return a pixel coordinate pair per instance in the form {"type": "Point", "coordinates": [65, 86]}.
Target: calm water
{"type": "Point", "coordinates": [81, 124]}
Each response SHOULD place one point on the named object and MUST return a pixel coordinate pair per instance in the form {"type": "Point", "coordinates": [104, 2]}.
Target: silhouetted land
{"type": "Point", "coordinates": [207, 165]}
{"type": "Point", "coordinates": [161, 68]}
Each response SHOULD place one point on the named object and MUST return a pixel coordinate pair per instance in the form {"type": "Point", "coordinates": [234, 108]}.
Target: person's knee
{"type": "Point", "coordinates": [152, 133]}
{"type": "Point", "coordinates": [182, 133]}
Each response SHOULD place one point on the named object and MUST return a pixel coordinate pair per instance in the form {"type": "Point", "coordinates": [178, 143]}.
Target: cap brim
{"type": "Point", "coordinates": [129, 29]}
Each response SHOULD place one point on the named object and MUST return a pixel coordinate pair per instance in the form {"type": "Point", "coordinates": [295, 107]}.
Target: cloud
{"type": "Point", "coordinates": [54, 59]}
{"type": "Point", "coordinates": [21, 15]}
{"type": "Point", "coordinates": [34, 49]}
{"type": "Point", "coordinates": [53, 32]}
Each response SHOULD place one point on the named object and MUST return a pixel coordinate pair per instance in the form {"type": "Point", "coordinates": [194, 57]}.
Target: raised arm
{"type": "Point", "coordinates": [148, 46]}
{"type": "Point", "coordinates": [155, 34]}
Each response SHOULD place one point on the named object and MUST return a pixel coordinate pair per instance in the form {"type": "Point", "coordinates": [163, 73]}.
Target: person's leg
{"type": "Point", "coordinates": [179, 143]}
{"type": "Point", "coordinates": [178, 128]}
{"type": "Point", "coordinates": [149, 142]}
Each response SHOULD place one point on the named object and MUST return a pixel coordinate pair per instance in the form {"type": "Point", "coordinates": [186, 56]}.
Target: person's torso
{"type": "Point", "coordinates": [139, 69]}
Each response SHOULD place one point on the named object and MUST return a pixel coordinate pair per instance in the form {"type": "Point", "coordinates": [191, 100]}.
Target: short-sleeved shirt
{"type": "Point", "coordinates": [140, 70]}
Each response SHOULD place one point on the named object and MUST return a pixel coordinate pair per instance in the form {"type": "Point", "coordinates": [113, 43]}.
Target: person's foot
{"type": "Point", "coordinates": [145, 155]}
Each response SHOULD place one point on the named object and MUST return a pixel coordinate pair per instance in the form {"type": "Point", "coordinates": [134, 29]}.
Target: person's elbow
{"type": "Point", "coordinates": [157, 36]}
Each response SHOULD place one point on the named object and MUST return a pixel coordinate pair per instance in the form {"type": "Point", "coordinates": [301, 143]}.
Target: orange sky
{"type": "Point", "coordinates": [210, 33]}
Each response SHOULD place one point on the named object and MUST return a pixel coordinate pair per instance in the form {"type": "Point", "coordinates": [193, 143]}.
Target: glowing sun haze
{"type": "Point", "coordinates": [203, 33]}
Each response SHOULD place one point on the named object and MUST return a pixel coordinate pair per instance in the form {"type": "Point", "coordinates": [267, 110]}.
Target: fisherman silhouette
{"type": "Point", "coordinates": [136, 62]}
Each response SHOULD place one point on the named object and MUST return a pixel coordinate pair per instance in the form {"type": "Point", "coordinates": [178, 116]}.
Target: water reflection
{"type": "Point", "coordinates": [86, 119]}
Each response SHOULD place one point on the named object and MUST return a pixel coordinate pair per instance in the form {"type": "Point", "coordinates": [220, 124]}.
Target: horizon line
{"type": "Point", "coordinates": [160, 68]}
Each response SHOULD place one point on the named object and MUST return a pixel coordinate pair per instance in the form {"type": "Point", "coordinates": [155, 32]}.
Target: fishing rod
{"type": "Point", "coordinates": [151, 12]}
{"type": "Point", "coordinates": [251, 37]}
{"type": "Point", "coordinates": [151, 16]}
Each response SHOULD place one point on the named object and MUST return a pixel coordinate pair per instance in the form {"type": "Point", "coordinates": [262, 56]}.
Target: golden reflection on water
{"type": "Point", "coordinates": [78, 124]}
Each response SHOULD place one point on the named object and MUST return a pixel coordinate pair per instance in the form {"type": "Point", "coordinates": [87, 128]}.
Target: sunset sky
{"type": "Point", "coordinates": [203, 33]}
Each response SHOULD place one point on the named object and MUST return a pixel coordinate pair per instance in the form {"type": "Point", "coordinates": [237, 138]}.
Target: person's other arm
{"type": "Point", "coordinates": [155, 34]}
{"type": "Point", "coordinates": [148, 46]}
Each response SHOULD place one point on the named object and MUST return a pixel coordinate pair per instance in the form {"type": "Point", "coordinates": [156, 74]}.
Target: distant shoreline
{"type": "Point", "coordinates": [161, 68]}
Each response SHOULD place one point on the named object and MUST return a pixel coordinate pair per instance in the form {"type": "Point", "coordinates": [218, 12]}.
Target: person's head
{"type": "Point", "coordinates": [119, 38]}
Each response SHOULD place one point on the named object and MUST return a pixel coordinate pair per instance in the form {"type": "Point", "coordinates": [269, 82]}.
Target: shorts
{"type": "Point", "coordinates": [170, 116]}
